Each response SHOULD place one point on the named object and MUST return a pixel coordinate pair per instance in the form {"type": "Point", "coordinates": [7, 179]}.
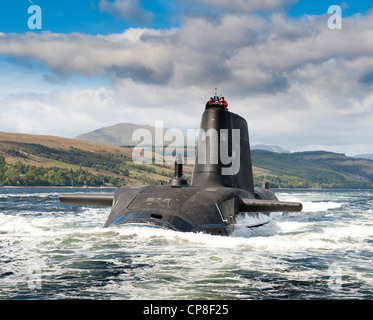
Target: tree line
{"type": "Point", "coordinates": [317, 182]}
{"type": "Point", "coordinates": [19, 174]}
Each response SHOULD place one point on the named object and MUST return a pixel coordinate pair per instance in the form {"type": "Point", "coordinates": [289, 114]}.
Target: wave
{"type": "Point", "coordinates": [29, 195]}
{"type": "Point", "coordinates": [315, 202]}
{"type": "Point", "coordinates": [310, 206]}
{"type": "Point", "coordinates": [291, 256]}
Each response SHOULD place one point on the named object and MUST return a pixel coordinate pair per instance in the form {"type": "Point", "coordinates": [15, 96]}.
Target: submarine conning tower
{"type": "Point", "coordinates": [223, 151]}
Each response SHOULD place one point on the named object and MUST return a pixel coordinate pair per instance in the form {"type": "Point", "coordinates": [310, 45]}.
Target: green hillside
{"type": "Point", "coordinates": [313, 169]}
{"type": "Point", "coordinates": [33, 160]}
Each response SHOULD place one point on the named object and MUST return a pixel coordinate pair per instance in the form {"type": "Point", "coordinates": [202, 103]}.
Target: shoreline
{"type": "Point", "coordinates": [106, 187]}
{"type": "Point", "coordinates": [54, 187]}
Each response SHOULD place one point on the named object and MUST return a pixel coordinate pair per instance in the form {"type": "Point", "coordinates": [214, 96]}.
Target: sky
{"type": "Point", "coordinates": [299, 81]}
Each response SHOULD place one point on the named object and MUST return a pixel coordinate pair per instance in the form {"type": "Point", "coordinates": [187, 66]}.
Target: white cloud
{"type": "Point", "coordinates": [246, 6]}
{"type": "Point", "coordinates": [61, 113]}
{"type": "Point", "coordinates": [297, 83]}
{"type": "Point", "coordinates": [128, 9]}
{"type": "Point", "coordinates": [69, 113]}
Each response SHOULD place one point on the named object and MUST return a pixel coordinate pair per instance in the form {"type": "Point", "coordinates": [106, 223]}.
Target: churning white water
{"type": "Point", "coordinates": [50, 250]}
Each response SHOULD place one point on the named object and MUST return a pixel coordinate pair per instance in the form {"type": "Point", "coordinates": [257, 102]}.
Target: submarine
{"type": "Point", "coordinates": [221, 198]}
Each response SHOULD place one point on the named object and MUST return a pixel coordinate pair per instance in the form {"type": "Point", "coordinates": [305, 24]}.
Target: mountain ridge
{"type": "Point", "coordinates": [368, 156]}
{"type": "Point", "coordinates": [114, 166]}
{"type": "Point", "coordinates": [21, 153]}
{"type": "Point", "coordinates": [121, 134]}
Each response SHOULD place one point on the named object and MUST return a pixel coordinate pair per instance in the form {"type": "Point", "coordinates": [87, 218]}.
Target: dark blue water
{"type": "Point", "coordinates": [50, 250]}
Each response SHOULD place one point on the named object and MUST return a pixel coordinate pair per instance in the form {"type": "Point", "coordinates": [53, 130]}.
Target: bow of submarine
{"type": "Point", "coordinates": [190, 209]}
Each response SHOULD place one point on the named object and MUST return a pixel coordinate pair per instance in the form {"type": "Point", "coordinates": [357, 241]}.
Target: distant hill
{"type": "Point", "coordinates": [116, 135]}
{"type": "Point", "coordinates": [316, 169]}
{"type": "Point", "coordinates": [364, 156]}
{"type": "Point", "coordinates": [46, 160]}
{"type": "Point", "coordinates": [271, 148]}
{"type": "Point", "coordinates": [71, 161]}
{"type": "Point", "coordinates": [119, 134]}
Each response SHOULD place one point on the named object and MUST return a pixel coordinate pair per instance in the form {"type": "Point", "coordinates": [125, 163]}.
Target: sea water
{"type": "Point", "coordinates": [51, 250]}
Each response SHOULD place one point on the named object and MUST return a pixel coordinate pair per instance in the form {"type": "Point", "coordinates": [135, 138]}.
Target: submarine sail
{"type": "Point", "coordinates": [221, 130]}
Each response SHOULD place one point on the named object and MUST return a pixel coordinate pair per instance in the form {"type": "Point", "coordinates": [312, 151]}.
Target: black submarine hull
{"type": "Point", "coordinates": [212, 210]}
{"type": "Point", "coordinates": [221, 197]}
